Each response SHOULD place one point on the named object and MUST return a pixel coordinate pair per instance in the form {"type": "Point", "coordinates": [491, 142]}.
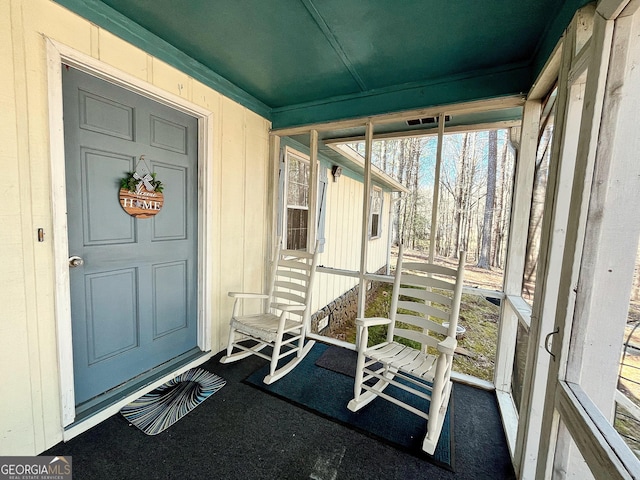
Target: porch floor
{"type": "Point", "coordinates": [244, 433]}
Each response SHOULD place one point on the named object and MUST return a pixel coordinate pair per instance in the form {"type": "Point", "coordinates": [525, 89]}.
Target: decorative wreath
{"type": "Point", "coordinates": [133, 179]}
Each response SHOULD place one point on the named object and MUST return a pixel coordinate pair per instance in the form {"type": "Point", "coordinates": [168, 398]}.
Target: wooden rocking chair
{"type": "Point", "coordinates": [282, 321]}
{"type": "Point", "coordinates": [421, 306]}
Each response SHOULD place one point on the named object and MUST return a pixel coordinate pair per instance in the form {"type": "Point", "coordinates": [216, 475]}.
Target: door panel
{"type": "Point", "coordinates": [134, 300]}
{"type": "Point", "coordinates": [172, 225]}
{"type": "Point", "coordinates": [170, 298]}
{"type": "Point", "coordinates": [111, 329]}
{"type": "Point", "coordinates": [105, 116]}
{"type": "Point", "coordinates": [168, 135]}
{"type": "Point", "coordinates": [96, 166]}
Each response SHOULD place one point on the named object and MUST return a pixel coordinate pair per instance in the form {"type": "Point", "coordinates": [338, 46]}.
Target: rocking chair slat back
{"type": "Point", "coordinates": [299, 287]}
{"type": "Point", "coordinates": [430, 268]}
{"type": "Point", "coordinates": [280, 295]}
{"type": "Point", "coordinates": [423, 281]}
{"type": "Point", "coordinates": [425, 310]}
{"type": "Point", "coordinates": [296, 264]}
{"type": "Point", "coordinates": [423, 339]}
{"type": "Point", "coordinates": [420, 323]}
{"type": "Point", "coordinates": [425, 295]}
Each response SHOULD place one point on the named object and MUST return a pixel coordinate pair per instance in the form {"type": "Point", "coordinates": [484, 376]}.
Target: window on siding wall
{"type": "Point", "coordinates": [376, 213]}
{"type": "Point", "coordinates": [297, 214]}
{"type": "Point", "coordinates": [293, 200]}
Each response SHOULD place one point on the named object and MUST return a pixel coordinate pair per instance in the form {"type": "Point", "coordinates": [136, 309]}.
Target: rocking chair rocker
{"type": "Point", "coordinates": [283, 319]}
{"type": "Point", "coordinates": [424, 304]}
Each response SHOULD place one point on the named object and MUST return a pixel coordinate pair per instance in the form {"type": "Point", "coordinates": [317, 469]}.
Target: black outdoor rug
{"type": "Point", "coordinates": [159, 409]}
{"type": "Point", "coordinates": [325, 391]}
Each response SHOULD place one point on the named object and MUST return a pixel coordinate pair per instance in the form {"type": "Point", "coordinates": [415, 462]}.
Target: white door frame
{"type": "Point", "coordinates": [58, 53]}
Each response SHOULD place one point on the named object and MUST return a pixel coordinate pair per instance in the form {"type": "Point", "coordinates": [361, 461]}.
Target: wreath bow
{"type": "Point", "coordinates": [146, 180]}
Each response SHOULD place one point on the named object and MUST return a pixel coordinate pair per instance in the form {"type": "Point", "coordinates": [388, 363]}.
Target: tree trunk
{"type": "Point", "coordinates": [416, 193]}
{"type": "Point", "coordinates": [468, 196]}
{"type": "Point", "coordinates": [458, 196]}
{"type": "Point", "coordinates": [487, 226]}
{"type": "Point", "coordinates": [400, 204]}
{"type": "Point", "coordinates": [499, 213]}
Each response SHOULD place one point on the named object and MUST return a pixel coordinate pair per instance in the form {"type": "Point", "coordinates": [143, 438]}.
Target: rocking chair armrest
{"type": "Point", "coordinates": [448, 345]}
{"type": "Point", "coordinates": [372, 321]}
{"type": "Point", "coordinates": [247, 295]}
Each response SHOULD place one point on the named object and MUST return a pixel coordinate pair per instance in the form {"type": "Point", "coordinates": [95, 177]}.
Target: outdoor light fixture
{"type": "Point", "coordinates": [336, 171]}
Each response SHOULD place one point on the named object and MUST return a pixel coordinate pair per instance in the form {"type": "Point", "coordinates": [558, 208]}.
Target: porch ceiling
{"type": "Point", "coordinates": [308, 61]}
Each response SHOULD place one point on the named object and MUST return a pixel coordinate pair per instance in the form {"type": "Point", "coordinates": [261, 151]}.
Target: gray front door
{"type": "Point", "coordinates": [133, 300]}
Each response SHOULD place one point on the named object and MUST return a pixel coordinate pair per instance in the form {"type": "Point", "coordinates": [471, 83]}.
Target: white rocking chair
{"type": "Point", "coordinates": [282, 321]}
{"type": "Point", "coordinates": [424, 304]}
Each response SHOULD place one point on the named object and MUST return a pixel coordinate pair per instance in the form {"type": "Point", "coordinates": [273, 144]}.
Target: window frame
{"type": "Point", "coordinates": [375, 235]}
{"type": "Point", "coordinates": [565, 320]}
{"type": "Point", "coordinates": [290, 153]}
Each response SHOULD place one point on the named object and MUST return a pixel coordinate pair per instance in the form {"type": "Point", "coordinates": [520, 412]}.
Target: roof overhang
{"type": "Point", "coordinates": [352, 160]}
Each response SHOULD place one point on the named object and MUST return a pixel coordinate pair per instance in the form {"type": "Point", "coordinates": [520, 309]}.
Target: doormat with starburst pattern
{"type": "Point", "coordinates": [159, 409]}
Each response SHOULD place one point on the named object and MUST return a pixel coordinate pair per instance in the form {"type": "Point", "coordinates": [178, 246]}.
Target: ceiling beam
{"type": "Point", "coordinates": [432, 132]}
{"type": "Point", "coordinates": [489, 84]}
{"type": "Point", "coordinates": [459, 108]}
{"type": "Point", "coordinates": [331, 38]}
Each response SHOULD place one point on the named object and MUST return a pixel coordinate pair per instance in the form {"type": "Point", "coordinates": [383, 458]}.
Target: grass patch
{"type": "Point", "coordinates": [477, 349]}
{"type": "Point", "coordinates": [627, 426]}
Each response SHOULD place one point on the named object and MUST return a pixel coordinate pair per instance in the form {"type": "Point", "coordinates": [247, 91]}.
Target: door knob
{"type": "Point", "coordinates": [75, 261]}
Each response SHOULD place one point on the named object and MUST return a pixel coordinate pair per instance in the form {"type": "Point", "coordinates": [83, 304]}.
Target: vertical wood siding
{"type": "Point", "coordinates": [343, 227]}
{"type": "Point", "coordinates": [239, 163]}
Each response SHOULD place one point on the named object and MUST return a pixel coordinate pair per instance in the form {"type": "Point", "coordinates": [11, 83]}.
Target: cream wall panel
{"type": "Point", "coordinates": [28, 327]}
{"type": "Point", "coordinates": [353, 230]}
{"type": "Point", "coordinates": [342, 207]}
{"type": "Point", "coordinates": [9, 193]}
{"type": "Point", "coordinates": [56, 22]}
{"type": "Point", "coordinates": [255, 214]}
{"type": "Point", "coordinates": [24, 75]}
{"type": "Point", "coordinates": [16, 427]}
{"type": "Point", "coordinates": [378, 246]}
{"type": "Point", "coordinates": [232, 204]}
{"type": "Point", "coordinates": [212, 101]}
{"type": "Point", "coordinates": [323, 280]}
{"type": "Point", "coordinates": [349, 232]}
{"type": "Point", "coordinates": [16, 423]}
{"type": "Point", "coordinates": [39, 264]}
{"type": "Point", "coordinates": [348, 227]}
{"type": "Point", "coordinates": [170, 79]}
{"type": "Point", "coordinates": [38, 171]}
{"type": "Point", "coordinates": [343, 236]}
{"type": "Point", "coordinates": [209, 99]}
{"type": "Point", "coordinates": [109, 48]}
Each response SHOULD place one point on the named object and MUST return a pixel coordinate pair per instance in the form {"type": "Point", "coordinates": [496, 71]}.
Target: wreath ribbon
{"type": "Point", "coordinates": [146, 180]}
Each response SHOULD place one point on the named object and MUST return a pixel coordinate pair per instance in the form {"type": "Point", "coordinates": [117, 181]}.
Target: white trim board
{"type": "Point", "coordinates": [58, 53]}
{"type": "Point", "coordinates": [458, 108]}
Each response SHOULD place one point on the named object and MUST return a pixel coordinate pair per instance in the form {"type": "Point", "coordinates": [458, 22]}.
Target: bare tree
{"type": "Point", "coordinates": [467, 213]}
{"type": "Point", "coordinates": [503, 200]}
{"type": "Point", "coordinates": [537, 203]}
{"type": "Point", "coordinates": [459, 195]}
{"type": "Point", "coordinates": [487, 226]}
